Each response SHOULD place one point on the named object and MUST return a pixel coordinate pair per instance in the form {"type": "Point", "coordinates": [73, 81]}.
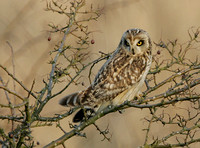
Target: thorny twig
{"type": "Point", "coordinates": [14, 85]}
{"type": "Point", "coordinates": [104, 133]}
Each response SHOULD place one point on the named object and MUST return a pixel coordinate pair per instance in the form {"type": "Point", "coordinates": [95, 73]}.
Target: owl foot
{"type": "Point", "coordinates": [138, 96]}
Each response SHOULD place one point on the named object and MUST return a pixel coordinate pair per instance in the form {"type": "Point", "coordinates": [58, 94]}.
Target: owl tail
{"type": "Point", "coordinates": [75, 99]}
{"type": "Point", "coordinates": [71, 100]}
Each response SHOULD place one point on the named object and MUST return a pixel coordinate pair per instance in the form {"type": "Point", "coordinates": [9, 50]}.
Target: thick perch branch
{"type": "Point", "coordinates": [108, 110]}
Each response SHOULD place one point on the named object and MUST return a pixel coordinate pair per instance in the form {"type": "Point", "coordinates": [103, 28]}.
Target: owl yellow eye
{"type": "Point", "coordinates": [141, 42]}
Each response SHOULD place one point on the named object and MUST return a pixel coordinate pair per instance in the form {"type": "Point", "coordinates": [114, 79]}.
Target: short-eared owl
{"type": "Point", "coordinates": [119, 79]}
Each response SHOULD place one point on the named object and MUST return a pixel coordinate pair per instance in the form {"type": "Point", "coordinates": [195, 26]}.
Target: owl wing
{"type": "Point", "coordinates": [121, 71]}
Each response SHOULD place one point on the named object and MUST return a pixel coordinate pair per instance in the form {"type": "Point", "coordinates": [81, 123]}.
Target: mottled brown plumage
{"type": "Point", "coordinates": [119, 79]}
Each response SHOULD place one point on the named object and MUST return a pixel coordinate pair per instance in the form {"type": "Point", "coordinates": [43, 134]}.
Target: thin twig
{"type": "Point", "coordinates": [102, 132]}
{"type": "Point", "coordinates": [14, 78]}
{"type": "Point", "coordinates": [11, 92]}
{"type": "Point", "coordinates": [14, 85]}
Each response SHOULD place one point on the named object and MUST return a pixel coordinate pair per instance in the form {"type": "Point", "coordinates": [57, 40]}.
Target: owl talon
{"type": "Point", "coordinates": [138, 96]}
{"type": "Point", "coordinates": [121, 111]}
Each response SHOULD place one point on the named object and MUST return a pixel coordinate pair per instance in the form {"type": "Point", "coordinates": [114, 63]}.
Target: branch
{"type": "Point", "coordinates": [58, 117]}
{"type": "Point", "coordinates": [11, 92]}
{"type": "Point", "coordinates": [17, 119]}
{"type": "Point", "coordinates": [60, 50]}
{"type": "Point", "coordinates": [20, 83]}
{"type": "Point", "coordinates": [177, 133]}
{"type": "Point", "coordinates": [171, 78]}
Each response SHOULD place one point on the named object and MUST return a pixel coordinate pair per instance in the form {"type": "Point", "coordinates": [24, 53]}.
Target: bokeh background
{"type": "Point", "coordinates": [25, 25]}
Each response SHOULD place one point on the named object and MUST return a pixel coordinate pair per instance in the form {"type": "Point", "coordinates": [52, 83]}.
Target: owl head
{"type": "Point", "coordinates": [136, 41]}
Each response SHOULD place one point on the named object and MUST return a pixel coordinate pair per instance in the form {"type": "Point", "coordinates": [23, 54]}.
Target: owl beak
{"type": "Point", "coordinates": [133, 51]}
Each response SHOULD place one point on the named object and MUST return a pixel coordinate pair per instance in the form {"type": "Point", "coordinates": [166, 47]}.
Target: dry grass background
{"type": "Point", "coordinates": [24, 25]}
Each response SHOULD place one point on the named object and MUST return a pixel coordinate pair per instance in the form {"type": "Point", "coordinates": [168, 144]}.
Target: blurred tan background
{"type": "Point", "coordinates": [25, 23]}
